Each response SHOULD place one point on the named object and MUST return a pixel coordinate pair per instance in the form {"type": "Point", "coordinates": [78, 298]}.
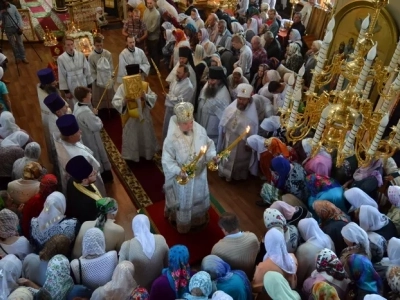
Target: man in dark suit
{"type": "Point", "coordinates": [298, 25]}
{"type": "Point", "coordinates": [272, 46]}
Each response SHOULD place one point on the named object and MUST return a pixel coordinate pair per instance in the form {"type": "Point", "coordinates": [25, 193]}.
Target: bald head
{"type": "Point", "coordinates": [256, 42]}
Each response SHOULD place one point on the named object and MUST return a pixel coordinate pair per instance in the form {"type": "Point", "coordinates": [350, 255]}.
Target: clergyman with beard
{"type": "Point", "coordinates": [237, 116]}
{"type": "Point", "coordinates": [214, 98]}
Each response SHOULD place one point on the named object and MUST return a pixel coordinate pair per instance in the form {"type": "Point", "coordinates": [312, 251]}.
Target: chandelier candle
{"type": "Point", "coordinates": [378, 136]}
{"type": "Point", "coordinates": [349, 142]}
{"type": "Point", "coordinates": [289, 93]}
{"type": "Point", "coordinates": [395, 59]}
{"type": "Point", "coordinates": [365, 71]}
{"type": "Point", "coordinates": [363, 30]}
{"type": "Point", "coordinates": [367, 89]}
{"type": "Point", "coordinates": [295, 108]}
{"type": "Point", "coordinates": [321, 126]}
{"type": "Point", "coordinates": [339, 84]}
{"type": "Point", "coordinates": [396, 138]}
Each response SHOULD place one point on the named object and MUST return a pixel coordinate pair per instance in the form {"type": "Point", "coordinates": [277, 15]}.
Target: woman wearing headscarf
{"type": "Point", "coordinates": [311, 61]}
{"type": "Point", "coordinates": [191, 33]}
{"type": "Point", "coordinates": [324, 291]}
{"type": "Point", "coordinates": [274, 148]}
{"type": "Point", "coordinates": [10, 241]}
{"type": "Point", "coordinates": [10, 270]}
{"type": "Point", "coordinates": [203, 36]}
{"type": "Point", "coordinates": [234, 80]}
{"type": "Point", "coordinates": [200, 65]}
{"type": "Point", "coordinates": [168, 49]}
{"type": "Point", "coordinates": [331, 221]}
{"type": "Point", "coordinates": [216, 62]}
{"type": "Point", "coordinates": [11, 149]}
{"type": "Point", "coordinates": [270, 75]}
{"type": "Point", "coordinates": [220, 295]}
{"type": "Point", "coordinates": [180, 41]}
{"type": "Point", "coordinates": [252, 29]}
{"type": "Point", "coordinates": [330, 270]}
{"type": "Point", "coordinates": [369, 178]}
{"type": "Point", "coordinates": [315, 241]}
{"type": "Point", "coordinates": [21, 293]}
{"type": "Point", "coordinates": [52, 221]}
{"type": "Point", "coordinates": [194, 14]}
{"type": "Point", "coordinates": [174, 280]}
{"type": "Point", "coordinates": [94, 257]}
{"type": "Point", "coordinates": [148, 252]}
{"type": "Point", "coordinates": [200, 287]}
{"type": "Point", "coordinates": [276, 259]}
{"type": "Point", "coordinates": [292, 214]}
{"type": "Point", "coordinates": [122, 285]}
{"type": "Point", "coordinates": [323, 187]}
{"type": "Point", "coordinates": [7, 124]}
{"type": "Point", "coordinates": [392, 264]}
{"type": "Point", "coordinates": [357, 197]}
{"type": "Point", "coordinates": [394, 212]}
{"type": "Point", "coordinates": [363, 276]}
{"type": "Point", "coordinates": [32, 154]}
{"type": "Point", "coordinates": [34, 266]}
{"type": "Point", "coordinates": [257, 81]}
{"type": "Point", "coordinates": [278, 288]}
{"type": "Point", "coordinates": [357, 242]}
{"type": "Point", "coordinates": [272, 128]}
{"type": "Point", "coordinates": [233, 282]}
{"type": "Point", "coordinates": [294, 60]}
{"type": "Point", "coordinates": [34, 206]}
{"type": "Point", "coordinates": [290, 177]}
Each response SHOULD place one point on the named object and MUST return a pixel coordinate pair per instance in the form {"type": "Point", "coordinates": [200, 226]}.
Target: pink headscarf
{"type": "Point", "coordinates": [321, 164]}
{"type": "Point", "coordinates": [286, 209]}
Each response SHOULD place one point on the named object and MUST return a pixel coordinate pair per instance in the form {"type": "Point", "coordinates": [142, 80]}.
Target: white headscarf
{"type": "Point", "coordinates": [141, 231]}
{"type": "Point", "coordinates": [294, 35]}
{"type": "Point", "coordinates": [220, 295]}
{"type": "Point", "coordinates": [253, 26]}
{"type": "Point", "coordinates": [10, 272]}
{"type": "Point", "coordinates": [53, 211]}
{"type": "Point", "coordinates": [7, 124]}
{"type": "Point", "coordinates": [374, 297]}
{"type": "Point", "coordinates": [371, 219]}
{"type": "Point", "coordinates": [16, 139]}
{"type": "Point", "coordinates": [94, 243]}
{"type": "Point", "coordinates": [166, 7]}
{"type": "Point", "coordinates": [21, 293]}
{"type": "Point", "coordinates": [355, 234]}
{"type": "Point", "coordinates": [198, 54]}
{"type": "Point", "coordinates": [167, 25]}
{"type": "Point", "coordinates": [169, 36]}
{"type": "Point", "coordinates": [357, 197]}
{"type": "Point", "coordinates": [273, 75]}
{"type": "Point", "coordinates": [256, 142]}
{"type": "Point", "coordinates": [238, 70]}
{"type": "Point", "coordinates": [236, 27]}
{"type": "Point", "coordinates": [276, 251]}
{"type": "Point", "coordinates": [306, 144]}
{"type": "Point", "coordinates": [271, 124]}
{"type": "Point", "coordinates": [209, 48]}
{"type": "Point", "coordinates": [393, 251]}
{"type": "Point", "coordinates": [312, 233]}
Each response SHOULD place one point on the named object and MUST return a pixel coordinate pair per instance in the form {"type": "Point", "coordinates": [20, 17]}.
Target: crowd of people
{"type": "Point", "coordinates": [332, 232]}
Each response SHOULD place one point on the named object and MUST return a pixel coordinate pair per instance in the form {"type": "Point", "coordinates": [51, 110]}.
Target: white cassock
{"type": "Point", "coordinates": [178, 90]}
{"type": "Point", "coordinates": [138, 135]}
{"type": "Point", "coordinates": [91, 125]}
{"type": "Point", "coordinates": [73, 71]}
{"type": "Point", "coordinates": [128, 57]}
{"type": "Point", "coordinates": [190, 202]}
{"type": "Point", "coordinates": [306, 12]}
{"type": "Point", "coordinates": [210, 110]}
{"type": "Point", "coordinates": [192, 76]}
{"type": "Point", "coordinates": [98, 91]}
{"type": "Point", "coordinates": [66, 151]}
{"type": "Point", "coordinates": [233, 124]}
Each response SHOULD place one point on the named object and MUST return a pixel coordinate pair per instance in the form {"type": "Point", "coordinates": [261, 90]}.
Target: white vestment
{"type": "Point", "coordinates": [126, 57]}
{"type": "Point", "coordinates": [192, 76]}
{"type": "Point", "coordinates": [210, 110]}
{"type": "Point", "coordinates": [73, 71]}
{"type": "Point", "coordinates": [91, 125]}
{"type": "Point", "coordinates": [138, 135]}
{"type": "Point", "coordinates": [191, 201]}
{"type": "Point", "coordinates": [66, 151]}
{"type": "Point", "coordinates": [233, 124]}
{"type": "Point", "coordinates": [97, 91]}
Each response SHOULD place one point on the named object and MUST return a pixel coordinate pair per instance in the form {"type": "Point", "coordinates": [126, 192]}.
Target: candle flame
{"type": "Point", "coordinates": [203, 149]}
{"type": "Point", "coordinates": [247, 129]}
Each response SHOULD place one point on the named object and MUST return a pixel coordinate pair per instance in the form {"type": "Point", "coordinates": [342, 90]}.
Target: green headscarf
{"type": "Point", "coordinates": [105, 206]}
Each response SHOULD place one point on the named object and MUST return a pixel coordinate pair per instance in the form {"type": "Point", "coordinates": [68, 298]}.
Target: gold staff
{"type": "Point", "coordinates": [158, 74]}
{"type": "Point", "coordinates": [106, 88]}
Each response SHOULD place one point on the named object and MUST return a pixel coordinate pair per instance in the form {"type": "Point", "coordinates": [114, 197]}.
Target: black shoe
{"type": "Point", "coordinates": [261, 203]}
{"type": "Point", "coordinates": [107, 176]}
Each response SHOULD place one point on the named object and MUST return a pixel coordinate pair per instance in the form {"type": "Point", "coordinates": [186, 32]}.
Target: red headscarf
{"type": "Point", "coordinates": [179, 36]}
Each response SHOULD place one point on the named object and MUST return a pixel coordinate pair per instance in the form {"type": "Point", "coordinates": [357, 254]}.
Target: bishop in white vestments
{"type": "Point", "coordinates": [188, 204]}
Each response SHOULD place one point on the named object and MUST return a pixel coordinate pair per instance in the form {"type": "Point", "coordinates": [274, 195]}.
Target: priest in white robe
{"type": "Point", "coordinates": [132, 55]}
{"type": "Point", "coordinates": [180, 89]}
{"type": "Point", "coordinates": [187, 204]}
{"type": "Point", "coordinates": [214, 98]}
{"type": "Point", "coordinates": [73, 70]}
{"type": "Point", "coordinates": [97, 70]}
{"type": "Point", "coordinates": [138, 135]}
{"type": "Point", "coordinates": [68, 145]}
{"type": "Point", "coordinates": [237, 116]}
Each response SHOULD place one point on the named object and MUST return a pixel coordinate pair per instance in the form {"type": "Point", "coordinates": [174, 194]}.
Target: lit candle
{"type": "Point", "coordinates": [367, 67]}
{"type": "Point", "coordinates": [295, 108]}
{"type": "Point", "coordinates": [240, 137]}
{"type": "Point", "coordinates": [340, 82]}
{"type": "Point", "coordinates": [363, 30]}
{"type": "Point", "coordinates": [321, 126]}
{"type": "Point", "coordinates": [289, 93]}
{"type": "Point", "coordinates": [381, 129]}
{"type": "Point", "coordinates": [395, 59]}
{"type": "Point", "coordinates": [349, 142]}
{"type": "Point", "coordinates": [367, 89]}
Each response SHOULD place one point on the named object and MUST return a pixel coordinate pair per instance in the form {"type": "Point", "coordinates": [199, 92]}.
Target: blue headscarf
{"type": "Point", "coordinates": [220, 271]}
{"type": "Point", "coordinates": [362, 272]}
{"type": "Point", "coordinates": [281, 166]}
{"type": "Point", "coordinates": [191, 28]}
{"type": "Point", "coordinates": [178, 271]}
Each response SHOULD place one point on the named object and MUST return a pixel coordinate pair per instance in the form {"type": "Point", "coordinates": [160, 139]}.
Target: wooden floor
{"type": "Point", "coordinates": [237, 197]}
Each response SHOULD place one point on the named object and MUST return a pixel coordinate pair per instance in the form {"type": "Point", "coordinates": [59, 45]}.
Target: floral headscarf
{"type": "Point", "coordinates": [326, 211]}
{"type": "Point", "coordinates": [322, 290]}
{"type": "Point", "coordinates": [274, 218]}
{"type": "Point", "coordinates": [362, 272]}
{"type": "Point", "coordinates": [8, 223]}
{"type": "Point", "coordinates": [178, 271]}
{"type": "Point", "coordinates": [319, 183]}
{"type": "Point", "coordinates": [328, 262]}
{"type": "Point", "coordinates": [140, 293]}
{"type": "Point", "coordinates": [202, 281]}
{"type": "Point", "coordinates": [58, 280]}
{"type": "Point", "coordinates": [105, 206]}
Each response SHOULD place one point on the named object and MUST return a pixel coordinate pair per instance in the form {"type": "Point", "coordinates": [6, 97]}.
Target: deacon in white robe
{"type": "Point", "coordinates": [138, 135]}
{"type": "Point", "coordinates": [214, 98]}
{"type": "Point", "coordinates": [188, 204]}
{"type": "Point", "coordinates": [98, 90]}
{"type": "Point", "coordinates": [68, 145]}
{"type": "Point", "coordinates": [132, 55]}
{"type": "Point", "coordinates": [73, 71]}
{"type": "Point", "coordinates": [237, 116]}
{"type": "Point", "coordinates": [180, 89]}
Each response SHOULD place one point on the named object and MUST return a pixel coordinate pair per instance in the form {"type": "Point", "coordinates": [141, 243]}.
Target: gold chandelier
{"type": "Point", "coordinates": [344, 118]}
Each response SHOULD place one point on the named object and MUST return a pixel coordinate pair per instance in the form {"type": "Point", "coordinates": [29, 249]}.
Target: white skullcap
{"type": "Point", "coordinates": [244, 90]}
